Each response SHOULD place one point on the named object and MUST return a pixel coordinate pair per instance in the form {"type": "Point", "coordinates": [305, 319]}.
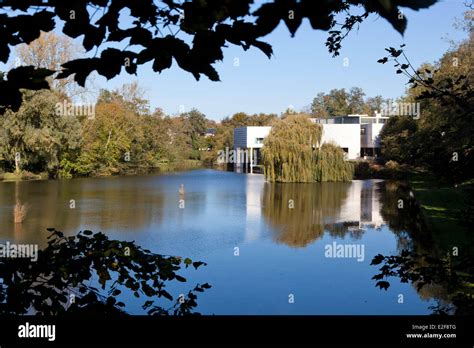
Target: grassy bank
{"type": "Point", "coordinates": [444, 207]}
{"type": "Point", "coordinates": [22, 176]}
{"type": "Point", "coordinates": [162, 167]}
{"type": "Point", "coordinates": [182, 165]}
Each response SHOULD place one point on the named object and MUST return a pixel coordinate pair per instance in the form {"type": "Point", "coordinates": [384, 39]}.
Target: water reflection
{"type": "Point", "coordinates": [426, 257]}
{"type": "Point", "coordinates": [297, 214]}
{"type": "Point", "coordinates": [226, 210]}
{"type": "Point", "coordinates": [405, 221]}
{"type": "Point", "coordinates": [66, 205]}
{"type": "Point", "coordinates": [301, 213]}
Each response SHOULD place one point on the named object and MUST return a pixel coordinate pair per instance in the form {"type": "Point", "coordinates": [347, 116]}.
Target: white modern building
{"type": "Point", "coordinates": [357, 135]}
{"type": "Point", "coordinates": [247, 144]}
{"type": "Point", "coordinates": [347, 136]}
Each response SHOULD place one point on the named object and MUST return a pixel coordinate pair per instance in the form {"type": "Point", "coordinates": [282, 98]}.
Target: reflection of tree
{"type": "Point", "coordinates": [341, 229]}
{"type": "Point", "coordinates": [449, 279]}
{"type": "Point", "coordinates": [446, 278]}
{"type": "Point", "coordinates": [313, 205]}
{"type": "Point", "coordinates": [103, 203]}
{"type": "Point", "coordinates": [61, 279]}
{"type": "Point", "coordinates": [407, 222]}
{"type": "Point", "coordinates": [120, 205]}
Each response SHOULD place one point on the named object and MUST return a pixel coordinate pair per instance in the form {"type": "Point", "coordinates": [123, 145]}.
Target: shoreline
{"type": "Point", "coordinates": [29, 176]}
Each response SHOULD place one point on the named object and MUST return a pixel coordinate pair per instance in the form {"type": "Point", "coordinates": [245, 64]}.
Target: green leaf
{"type": "Point", "coordinates": [383, 285]}
{"type": "Point", "coordinates": [180, 279]}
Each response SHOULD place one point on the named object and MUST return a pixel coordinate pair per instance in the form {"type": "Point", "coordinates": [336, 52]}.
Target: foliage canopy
{"type": "Point", "coordinates": [207, 27]}
{"type": "Point", "coordinates": [72, 265]}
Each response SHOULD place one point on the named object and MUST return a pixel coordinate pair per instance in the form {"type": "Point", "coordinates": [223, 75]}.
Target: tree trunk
{"type": "Point", "coordinates": [17, 163]}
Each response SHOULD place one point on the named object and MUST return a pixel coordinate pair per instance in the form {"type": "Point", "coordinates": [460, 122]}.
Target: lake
{"type": "Point", "coordinates": [269, 248]}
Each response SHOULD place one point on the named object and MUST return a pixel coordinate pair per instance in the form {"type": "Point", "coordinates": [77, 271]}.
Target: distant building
{"type": "Point", "coordinates": [210, 132]}
{"type": "Point", "coordinates": [357, 135]}
{"type": "Point", "coordinates": [248, 142]}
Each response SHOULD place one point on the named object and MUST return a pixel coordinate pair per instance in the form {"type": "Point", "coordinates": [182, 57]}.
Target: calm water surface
{"type": "Point", "coordinates": [279, 232]}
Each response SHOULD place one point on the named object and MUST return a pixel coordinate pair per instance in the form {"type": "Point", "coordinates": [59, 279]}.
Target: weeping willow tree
{"type": "Point", "coordinates": [331, 165]}
{"type": "Point", "coordinates": [291, 153]}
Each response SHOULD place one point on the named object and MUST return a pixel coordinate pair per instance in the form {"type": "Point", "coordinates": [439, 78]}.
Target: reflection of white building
{"type": "Point", "coordinates": [360, 209]}
{"type": "Point", "coordinates": [357, 135]}
{"type": "Point", "coordinates": [253, 190]}
{"type": "Point", "coordinates": [362, 204]}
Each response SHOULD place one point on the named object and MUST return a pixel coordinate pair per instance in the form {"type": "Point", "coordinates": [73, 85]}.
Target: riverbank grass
{"type": "Point", "coordinates": [22, 176]}
{"type": "Point", "coordinates": [443, 207]}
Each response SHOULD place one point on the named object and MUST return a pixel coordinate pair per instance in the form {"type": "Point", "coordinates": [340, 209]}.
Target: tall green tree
{"type": "Point", "coordinates": [319, 107]}
{"type": "Point", "coordinates": [397, 139]}
{"type": "Point", "coordinates": [130, 94]}
{"type": "Point", "coordinates": [355, 101]}
{"type": "Point", "coordinates": [337, 102]}
{"type": "Point", "coordinates": [194, 128]}
{"type": "Point", "coordinates": [444, 139]}
{"type": "Point", "coordinates": [374, 104]}
{"type": "Point", "coordinates": [37, 135]}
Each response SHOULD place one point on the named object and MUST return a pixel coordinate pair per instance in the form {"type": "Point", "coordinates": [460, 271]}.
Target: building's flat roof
{"type": "Point", "coordinates": [253, 127]}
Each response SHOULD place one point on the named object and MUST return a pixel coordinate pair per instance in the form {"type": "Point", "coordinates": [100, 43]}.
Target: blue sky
{"type": "Point", "coordinates": [301, 67]}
